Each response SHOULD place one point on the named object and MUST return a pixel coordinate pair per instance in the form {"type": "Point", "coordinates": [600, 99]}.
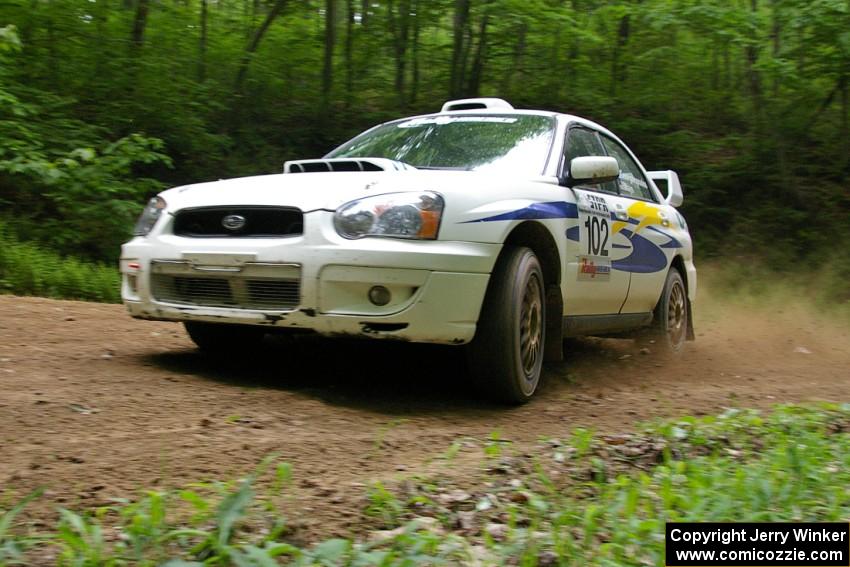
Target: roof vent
{"type": "Point", "coordinates": [477, 104]}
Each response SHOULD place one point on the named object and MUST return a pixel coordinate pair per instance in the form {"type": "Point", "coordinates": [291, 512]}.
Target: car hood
{"type": "Point", "coordinates": [321, 190]}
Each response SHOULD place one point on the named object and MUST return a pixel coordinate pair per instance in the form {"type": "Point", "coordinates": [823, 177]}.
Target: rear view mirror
{"type": "Point", "coordinates": [674, 197]}
{"type": "Point", "coordinates": [590, 170]}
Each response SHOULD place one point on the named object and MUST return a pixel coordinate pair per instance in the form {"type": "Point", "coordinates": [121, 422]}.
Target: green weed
{"type": "Point", "coordinates": [790, 465]}
{"type": "Point", "coordinates": [28, 269]}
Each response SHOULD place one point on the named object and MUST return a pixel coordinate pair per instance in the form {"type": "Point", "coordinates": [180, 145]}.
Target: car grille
{"type": "Point", "coordinates": [270, 292]}
{"type": "Point", "coordinates": [258, 286]}
{"type": "Point", "coordinates": [259, 222]}
{"type": "Point", "coordinates": [193, 291]}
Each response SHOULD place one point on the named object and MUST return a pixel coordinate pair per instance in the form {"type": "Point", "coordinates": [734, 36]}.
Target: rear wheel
{"type": "Point", "coordinates": [222, 338]}
{"type": "Point", "coordinates": [506, 356]}
{"type": "Point", "coordinates": [670, 321]}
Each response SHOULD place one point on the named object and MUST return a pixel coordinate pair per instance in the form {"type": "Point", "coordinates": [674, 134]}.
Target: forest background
{"type": "Point", "coordinates": [105, 102]}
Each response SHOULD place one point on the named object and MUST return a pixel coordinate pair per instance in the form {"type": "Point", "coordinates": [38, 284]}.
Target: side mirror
{"type": "Point", "coordinates": [590, 170]}
{"type": "Point", "coordinates": [674, 197]}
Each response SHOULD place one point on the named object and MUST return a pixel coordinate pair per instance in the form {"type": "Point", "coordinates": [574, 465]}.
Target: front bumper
{"type": "Point", "coordinates": [436, 287]}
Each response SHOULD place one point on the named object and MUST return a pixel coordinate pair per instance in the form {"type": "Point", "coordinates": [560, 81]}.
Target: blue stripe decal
{"type": "Point", "coordinates": [537, 211]}
{"type": "Point", "coordinates": [646, 257]}
{"type": "Point", "coordinates": [672, 243]}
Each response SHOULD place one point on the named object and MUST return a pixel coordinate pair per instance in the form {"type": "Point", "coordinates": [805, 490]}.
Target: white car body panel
{"type": "Point", "coordinates": [437, 286]}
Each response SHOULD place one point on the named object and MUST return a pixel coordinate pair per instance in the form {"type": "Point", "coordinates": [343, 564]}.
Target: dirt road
{"type": "Point", "coordinates": [95, 405]}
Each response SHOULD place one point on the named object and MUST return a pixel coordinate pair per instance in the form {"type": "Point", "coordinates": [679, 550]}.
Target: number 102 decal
{"type": "Point", "coordinates": [597, 233]}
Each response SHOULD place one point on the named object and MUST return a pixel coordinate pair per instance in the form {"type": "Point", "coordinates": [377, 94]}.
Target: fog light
{"type": "Point", "coordinates": [132, 283]}
{"type": "Point", "coordinates": [379, 295]}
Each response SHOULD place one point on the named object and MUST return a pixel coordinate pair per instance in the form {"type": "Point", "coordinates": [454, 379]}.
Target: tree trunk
{"type": "Point", "coordinates": [554, 82]}
{"type": "Point", "coordinates": [516, 60]}
{"type": "Point", "coordinates": [458, 67]}
{"type": "Point", "coordinates": [101, 18]}
{"type": "Point", "coordinates": [571, 78]}
{"type": "Point", "coordinates": [29, 24]}
{"type": "Point", "coordinates": [330, 42]}
{"type": "Point", "coordinates": [140, 22]}
{"type": "Point", "coordinates": [349, 49]}
{"type": "Point", "coordinates": [52, 58]}
{"type": "Point", "coordinates": [779, 134]}
{"type": "Point", "coordinates": [414, 87]}
{"type": "Point", "coordinates": [202, 47]}
{"type": "Point", "coordinates": [245, 62]}
{"type": "Point", "coordinates": [776, 34]}
{"type": "Point", "coordinates": [753, 77]}
{"type": "Point", "coordinates": [399, 27]}
{"type": "Point", "coordinates": [715, 66]}
{"type": "Point", "coordinates": [845, 133]}
{"type": "Point", "coordinates": [618, 73]}
{"type": "Point", "coordinates": [477, 70]}
{"type": "Point", "coordinates": [464, 58]}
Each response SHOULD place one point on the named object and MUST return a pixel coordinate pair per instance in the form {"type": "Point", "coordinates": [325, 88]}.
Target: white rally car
{"type": "Point", "coordinates": [505, 230]}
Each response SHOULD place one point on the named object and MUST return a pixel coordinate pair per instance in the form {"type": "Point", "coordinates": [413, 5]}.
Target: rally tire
{"type": "Point", "coordinates": [222, 339]}
{"type": "Point", "coordinates": [670, 319]}
{"type": "Point", "coordinates": [506, 355]}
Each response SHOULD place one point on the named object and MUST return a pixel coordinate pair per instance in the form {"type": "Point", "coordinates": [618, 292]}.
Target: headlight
{"type": "Point", "coordinates": [397, 215]}
{"type": "Point", "coordinates": [147, 220]}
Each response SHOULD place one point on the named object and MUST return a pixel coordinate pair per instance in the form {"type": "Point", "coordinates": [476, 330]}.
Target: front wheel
{"type": "Point", "coordinates": [506, 355]}
{"type": "Point", "coordinates": [670, 321]}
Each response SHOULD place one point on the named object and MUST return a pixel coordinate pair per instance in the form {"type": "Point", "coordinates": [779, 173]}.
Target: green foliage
{"type": "Point", "coordinates": [384, 505]}
{"type": "Point", "coordinates": [750, 102]}
{"type": "Point", "coordinates": [30, 269]}
{"type": "Point", "coordinates": [790, 465]}
{"type": "Point", "coordinates": [12, 547]}
{"type": "Point", "coordinates": [62, 181]}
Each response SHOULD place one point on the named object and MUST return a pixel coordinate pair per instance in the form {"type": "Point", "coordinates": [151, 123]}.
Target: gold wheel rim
{"type": "Point", "coordinates": [531, 326]}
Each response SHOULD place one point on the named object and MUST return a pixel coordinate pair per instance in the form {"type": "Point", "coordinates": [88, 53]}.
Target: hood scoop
{"type": "Point", "coordinates": [344, 164]}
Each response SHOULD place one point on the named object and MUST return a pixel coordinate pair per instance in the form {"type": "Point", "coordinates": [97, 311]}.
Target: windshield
{"type": "Point", "coordinates": [517, 143]}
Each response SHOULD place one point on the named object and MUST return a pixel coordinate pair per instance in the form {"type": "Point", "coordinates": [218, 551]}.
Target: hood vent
{"type": "Point", "coordinates": [344, 164]}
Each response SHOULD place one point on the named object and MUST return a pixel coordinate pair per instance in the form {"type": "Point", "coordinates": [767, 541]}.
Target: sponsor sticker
{"type": "Point", "coordinates": [591, 269]}
{"type": "Point", "coordinates": [593, 204]}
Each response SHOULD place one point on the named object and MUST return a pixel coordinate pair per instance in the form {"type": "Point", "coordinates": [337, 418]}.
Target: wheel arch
{"type": "Point", "coordinates": [539, 239]}
{"type": "Point", "coordinates": [536, 236]}
{"type": "Point", "coordinates": [679, 264]}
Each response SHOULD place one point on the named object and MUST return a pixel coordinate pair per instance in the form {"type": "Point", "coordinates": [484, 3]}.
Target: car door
{"type": "Point", "coordinates": [645, 230]}
{"type": "Point", "coordinates": [590, 285]}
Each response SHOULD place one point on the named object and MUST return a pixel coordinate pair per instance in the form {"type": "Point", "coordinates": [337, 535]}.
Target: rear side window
{"type": "Point", "coordinates": [632, 182]}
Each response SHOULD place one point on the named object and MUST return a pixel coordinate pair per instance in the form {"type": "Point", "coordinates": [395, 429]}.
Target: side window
{"type": "Point", "coordinates": [632, 182]}
{"type": "Point", "coordinates": [582, 142]}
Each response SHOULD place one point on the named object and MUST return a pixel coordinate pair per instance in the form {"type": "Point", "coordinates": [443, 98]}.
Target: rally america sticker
{"type": "Point", "coordinates": [593, 269]}
{"type": "Point", "coordinates": [593, 204]}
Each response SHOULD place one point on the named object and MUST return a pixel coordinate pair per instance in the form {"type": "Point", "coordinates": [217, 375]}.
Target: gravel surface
{"type": "Point", "coordinates": [96, 405]}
